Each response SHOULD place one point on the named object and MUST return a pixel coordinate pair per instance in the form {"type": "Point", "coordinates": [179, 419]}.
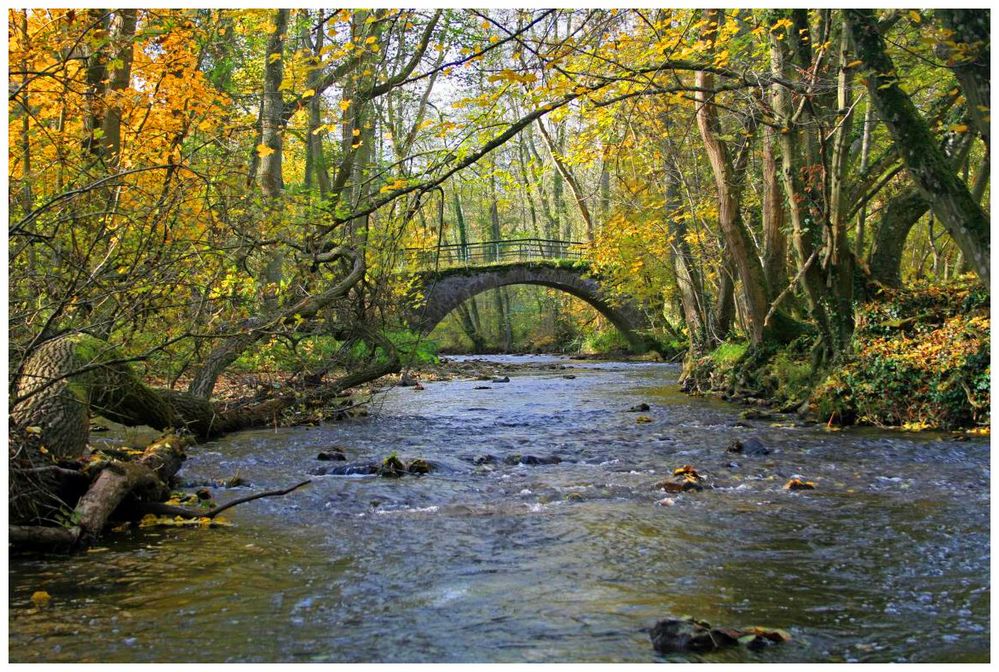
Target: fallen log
{"type": "Point", "coordinates": [146, 478]}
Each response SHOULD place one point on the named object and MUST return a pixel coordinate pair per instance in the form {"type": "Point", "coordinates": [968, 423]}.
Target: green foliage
{"type": "Point", "coordinates": [728, 353]}
{"type": "Point", "coordinates": [296, 353]}
{"type": "Point", "coordinates": [604, 341]}
{"type": "Point", "coordinates": [412, 347]}
{"type": "Point", "coordinates": [792, 376]}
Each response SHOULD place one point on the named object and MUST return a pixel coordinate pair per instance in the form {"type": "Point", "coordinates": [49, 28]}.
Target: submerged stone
{"type": "Point", "coordinates": [535, 460]}
{"type": "Point", "coordinates": [419, 466]}
{"type": "Point", "coordinates": [355, 469]}
{"type": "Point", "coordinates": [755, 414]}
{"type": "Point", "coordinates": [752, 447]}
{"type": "Point", "coordinates": [682, 486]}
{"type": "Point", "coordinates": [532, 460]}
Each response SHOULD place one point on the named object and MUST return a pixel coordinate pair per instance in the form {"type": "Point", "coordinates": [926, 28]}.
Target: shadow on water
{"type": "Point", "coordinates": [886, 560]}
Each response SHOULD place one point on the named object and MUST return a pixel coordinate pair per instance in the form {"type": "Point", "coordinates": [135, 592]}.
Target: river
{"type": "Point", "coordinates": [886, 560]}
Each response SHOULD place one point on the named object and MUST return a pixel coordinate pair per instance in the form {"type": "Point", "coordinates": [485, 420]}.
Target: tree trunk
{"type": "Point", "coordinates": [470, 327]}
{"type": "Point", "coordinates": [774, 240]}
{"type": "Point", "coordinates": [931, 172]}
{"type": "Point", "coordinates": [96, 60]}
{"type": "Point", "coordinates": [269, 173]}
{"type": "Point", "coordinates": [897, 219]}
{"type": "Point", "coordinates": [724, 312]}
{"type": "Point", "coordinates": [865, 153]}
{"type": "Point", "coordinates": [689, 280]}
{"type": "Point", "coordinates": [738, 243]}
{"type": "Point", "coordinates": [123, 29]}
{"type": "Point", "coordinates": [27, 200]}
{"type": "Point", "coordinates": [803, 197]}
{"type": "Point", "coordinates": [315, 159]}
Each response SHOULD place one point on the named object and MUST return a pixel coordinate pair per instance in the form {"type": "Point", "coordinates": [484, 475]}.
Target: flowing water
{"type": "Point", "coordinates": [886, 560]}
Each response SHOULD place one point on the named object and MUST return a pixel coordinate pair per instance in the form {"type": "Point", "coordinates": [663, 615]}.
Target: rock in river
{"type": "Point", "coordinates": [674, 635]}
{"type": "Point", "coordinates": [751, 447]}
{"type": "Point", "coordinates": [683, 635]}
{"type": "Point", "coordinates": [532, 460]}
{"type": "Point", "coordinates": [354, 469]}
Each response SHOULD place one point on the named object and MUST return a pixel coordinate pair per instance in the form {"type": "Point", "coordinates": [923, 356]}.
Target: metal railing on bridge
{"type": "Point", "coordinates": [493, 252]}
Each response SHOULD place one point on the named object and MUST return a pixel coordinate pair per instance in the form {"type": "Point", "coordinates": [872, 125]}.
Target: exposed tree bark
{"type": "Point", "coordinates": [96, 75]}
{"type": "Point", "coordinates": [724, 312]}
{"type": "Point", "coordinates": [470, 326]}
{"type": "Point", "coordinates": [27, 200]}
{"type": "Point", "coordinates": [839, 260]}
{"type": "Point", "coordinates": [865, 153]}
{"type": "Point", "coordinates": [931, 172]}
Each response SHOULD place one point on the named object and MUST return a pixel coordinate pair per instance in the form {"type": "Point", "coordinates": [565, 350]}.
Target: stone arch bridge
{"type": "Point", "coordinates": [451, 274]}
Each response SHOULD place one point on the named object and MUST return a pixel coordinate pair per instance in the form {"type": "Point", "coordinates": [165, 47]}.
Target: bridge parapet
{"type": "Point", "coordinates": [493, 252]}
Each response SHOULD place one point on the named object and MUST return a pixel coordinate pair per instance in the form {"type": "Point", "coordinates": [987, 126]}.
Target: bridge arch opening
{"type": "Point", "coordinates": [447, 290]}
{"type": "Point", "coordinates": [526, 318]}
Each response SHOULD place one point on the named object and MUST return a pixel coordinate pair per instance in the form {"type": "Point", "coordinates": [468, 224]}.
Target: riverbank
{"type": "Point", "coordinates": [920, 361]}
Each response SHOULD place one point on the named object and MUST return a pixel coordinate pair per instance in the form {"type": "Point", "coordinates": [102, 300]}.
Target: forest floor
{"type": "Point", "coordinates": [920, 361]}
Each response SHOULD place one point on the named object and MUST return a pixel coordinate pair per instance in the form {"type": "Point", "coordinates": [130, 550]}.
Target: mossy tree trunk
{"type": "Point", "coordinates": [931, 171]}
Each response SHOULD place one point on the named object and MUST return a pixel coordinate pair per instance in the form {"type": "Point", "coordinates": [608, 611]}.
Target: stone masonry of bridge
{"type": "Point", "coordinates": [445, 290]}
